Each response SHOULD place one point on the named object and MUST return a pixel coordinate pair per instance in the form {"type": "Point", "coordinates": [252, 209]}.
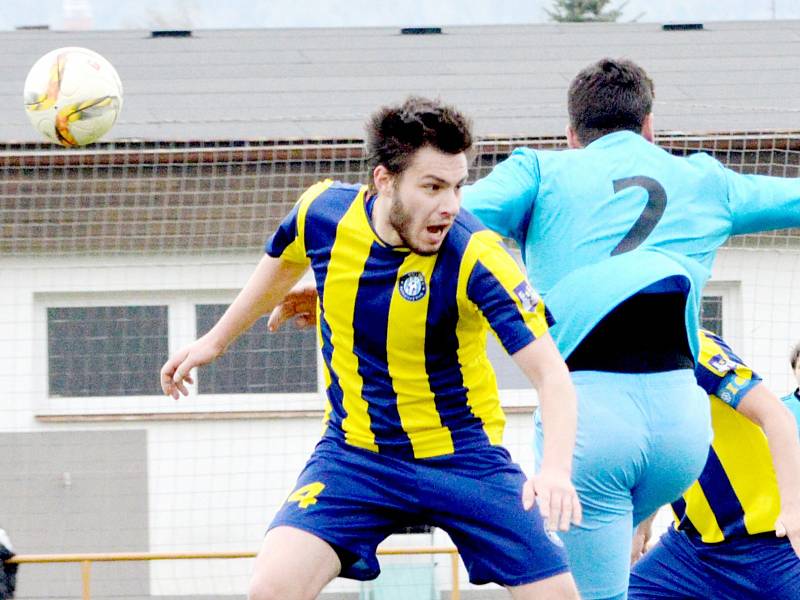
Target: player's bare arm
{"type": "Point", "coordinates": [270, 281]}
{"type": "Point", "coordinates": [762, 407]}
{"type": "Point", "coordinates": [552, 487]}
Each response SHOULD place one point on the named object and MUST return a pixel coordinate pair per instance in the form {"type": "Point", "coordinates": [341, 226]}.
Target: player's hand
{"type": "Point", "coordinates": [556, 497]}
{"type": "Point", "coordinates": [788, 525]}
{"type": "Point", "coordinates": [641, 539]}
{"type": "Point", "coordinates": [299, 304]}
{"type": "Point", "coordinates": [176, 372]}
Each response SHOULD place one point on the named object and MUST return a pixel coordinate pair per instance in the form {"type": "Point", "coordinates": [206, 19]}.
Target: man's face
{"type": "Point", "coordinates": [426, 198]}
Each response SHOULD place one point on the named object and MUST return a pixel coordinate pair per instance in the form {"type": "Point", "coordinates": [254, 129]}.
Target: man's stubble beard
{"type": "Point", "coordinates": [400, 220]}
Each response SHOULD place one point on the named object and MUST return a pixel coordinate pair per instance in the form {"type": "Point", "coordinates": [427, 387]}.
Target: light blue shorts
{"type": "Point", "coordinates": [642, 440]}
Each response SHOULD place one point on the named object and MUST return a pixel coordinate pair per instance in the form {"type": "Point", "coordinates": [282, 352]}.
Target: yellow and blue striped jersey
{"type": "Point", "coordinates": [403, 336]}
{"type": "Point", "coordinates": [736, 495]}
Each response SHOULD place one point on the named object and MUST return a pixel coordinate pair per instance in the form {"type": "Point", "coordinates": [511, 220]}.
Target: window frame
{"type": "Point", "coordinates": [86, 381]}
{"type": "Point", "coordinates": [181, 330]}
{"type": "Point", "coordinates": [200, 377]}
{"type": "Point", "coordinates": [730, 293]}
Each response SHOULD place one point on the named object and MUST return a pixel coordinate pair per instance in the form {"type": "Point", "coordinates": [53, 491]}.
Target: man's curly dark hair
{"type": "Point", "coordinates": [395, 133]}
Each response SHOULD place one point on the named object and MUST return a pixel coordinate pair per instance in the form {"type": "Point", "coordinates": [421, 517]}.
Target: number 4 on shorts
{"type": "Point", "coordinates": [306, 495]}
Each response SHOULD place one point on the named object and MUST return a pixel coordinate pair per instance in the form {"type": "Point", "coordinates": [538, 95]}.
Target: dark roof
{"type": "Point", "coordinates": [322, 83]}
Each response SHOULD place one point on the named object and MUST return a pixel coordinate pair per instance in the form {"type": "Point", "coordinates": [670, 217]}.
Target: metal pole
{"type": "Point", "coordinates": [87, 559]}
{"type": "Point", "coordinates": [456, 593]}
{"type": "Point", "coordinates": [86, 575]}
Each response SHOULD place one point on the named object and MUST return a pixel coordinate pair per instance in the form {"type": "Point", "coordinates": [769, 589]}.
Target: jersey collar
{"type": "Point", "coordinates": [615, 137]}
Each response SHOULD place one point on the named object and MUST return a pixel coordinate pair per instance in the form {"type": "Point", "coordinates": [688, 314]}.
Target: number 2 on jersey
{"type": "Point", "coordinates": [651, 215]}
{"type": "Point", "coordinates": [307, 495]}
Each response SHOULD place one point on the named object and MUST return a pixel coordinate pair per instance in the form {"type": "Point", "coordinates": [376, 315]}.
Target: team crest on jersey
{"type": "Point", "coordinates": [412, 286]}
{"type": "Point", "coordinates": [527, 296]}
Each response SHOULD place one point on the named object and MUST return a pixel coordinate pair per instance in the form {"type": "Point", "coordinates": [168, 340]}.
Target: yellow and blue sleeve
{"type": "Point", "coordinates": [289, 240]}
{"type": "Point", "coordinates": [502, 293]}
{"type": "Point", "coordinates": [722, 373]}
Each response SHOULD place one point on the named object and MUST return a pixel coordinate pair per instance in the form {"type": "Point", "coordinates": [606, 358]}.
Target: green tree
{"type": "Point", "coordinates": [572, 11]}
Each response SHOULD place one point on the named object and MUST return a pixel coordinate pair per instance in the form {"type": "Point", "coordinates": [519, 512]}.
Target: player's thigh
{"type": "Point", "coordinates": [600, 557]}
{"type": "Point", "coordinates": [755, 567]}
{"type": "Point", "coordinates": [679, 437]}
{"type": "Point", "coordinates": [343, 497]}
{"type": "Point", "coordinates": [292, 565]}
{"type": "Point", "coordinates": [477, 500]}
{"type": "Point", "coordinates": [785, 574]}
{"type": "Point", "coordinates": [611, 445]}
{"type": "Point", "coordinates": [670, 570]}
{"type": "Point", "coordinates": [557, 587]}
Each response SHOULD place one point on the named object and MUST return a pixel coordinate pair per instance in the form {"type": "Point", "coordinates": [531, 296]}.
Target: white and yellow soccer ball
{"type": "Point", "coordinates": [73, 96]}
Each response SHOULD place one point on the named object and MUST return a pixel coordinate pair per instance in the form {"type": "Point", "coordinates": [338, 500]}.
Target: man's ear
{"type": "Point", "coordinates": [572, 138]}
{"type": "Point", "coordinates": [383, 179]}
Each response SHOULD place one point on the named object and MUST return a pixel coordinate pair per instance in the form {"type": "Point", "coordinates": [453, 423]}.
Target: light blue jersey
{"type": "Point", "coordinates": [597, 226]}
{"type": "Point", "coordinates": [604, 222]}
{"type": "Point", "coordinates": [792, 402]}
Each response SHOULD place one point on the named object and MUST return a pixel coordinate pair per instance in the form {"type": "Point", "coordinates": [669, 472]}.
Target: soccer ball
{"type": "Point", "coordinates": [73, 96]}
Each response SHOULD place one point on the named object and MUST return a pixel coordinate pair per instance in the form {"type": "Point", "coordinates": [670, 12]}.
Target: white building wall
{"type": "Point", "coordinates": [214, 484]}
{"type": "Point", "coordinates": [763, 287]}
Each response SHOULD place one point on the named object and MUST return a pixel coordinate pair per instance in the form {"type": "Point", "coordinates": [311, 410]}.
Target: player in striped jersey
{"type": "Point", "coordinates": [792, 399]}
{"type": "Point", "coordinates": [724, 543]}
{"type": "Point", "coordinates": [408, 288]}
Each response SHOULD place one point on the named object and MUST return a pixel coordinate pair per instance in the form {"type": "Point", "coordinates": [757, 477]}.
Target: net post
{"type": "Point", "coordinates": [455, 594]}
{"type": "Point", "coordinates": [86, 575]}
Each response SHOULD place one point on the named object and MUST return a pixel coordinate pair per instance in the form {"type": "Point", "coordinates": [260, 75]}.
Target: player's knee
{"type": "Point", "coordinates": [566, 589]}
{"type": "Point", "coordinates": [263, 588]}
{"type": "Point", "coordinates": [557, 587]}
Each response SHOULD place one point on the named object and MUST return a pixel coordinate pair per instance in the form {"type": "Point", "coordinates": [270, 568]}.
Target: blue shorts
{"type": "Point", "coordinates": [642, 440]}
{"type": "Point", "coordinates": [354, 499]}
{"type": "Point", "coordinates": [682, 566]}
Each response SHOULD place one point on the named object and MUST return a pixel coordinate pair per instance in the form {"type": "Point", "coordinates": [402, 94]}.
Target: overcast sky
{"type": "Point", "coordinates": [224, 14]}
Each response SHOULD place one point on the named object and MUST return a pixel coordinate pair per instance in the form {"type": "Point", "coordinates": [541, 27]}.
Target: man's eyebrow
{"type": "Point", "coordinates": [438, 179]}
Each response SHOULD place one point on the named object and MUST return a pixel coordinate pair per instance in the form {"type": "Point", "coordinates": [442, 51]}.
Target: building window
{"type": "Point", "coordinates": [259, 362]}
{"type": "Point", "coordinates": [106, 350]}
{"type": "Point", "coordinates": [711, 314]}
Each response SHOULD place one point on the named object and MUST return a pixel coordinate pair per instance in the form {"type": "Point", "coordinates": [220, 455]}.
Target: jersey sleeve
{"type": "Point", "coordinates": [761, 202]}
{"type": "Point", "coordinates": [289, 240]}
{"type": "Point", "coordinates": [503, 295]}
{"type": "Point", "coordinates": [503, 200]}
{"type": "Point", "coordinates": [721, 373]}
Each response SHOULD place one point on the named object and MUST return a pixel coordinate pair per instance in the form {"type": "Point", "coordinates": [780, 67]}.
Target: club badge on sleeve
{"type": "Point", "coordinates": [527, 297]}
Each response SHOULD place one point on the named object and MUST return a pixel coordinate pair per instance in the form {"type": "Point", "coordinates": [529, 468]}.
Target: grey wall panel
{"type": "Point", "coordinates": [76, 491]}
